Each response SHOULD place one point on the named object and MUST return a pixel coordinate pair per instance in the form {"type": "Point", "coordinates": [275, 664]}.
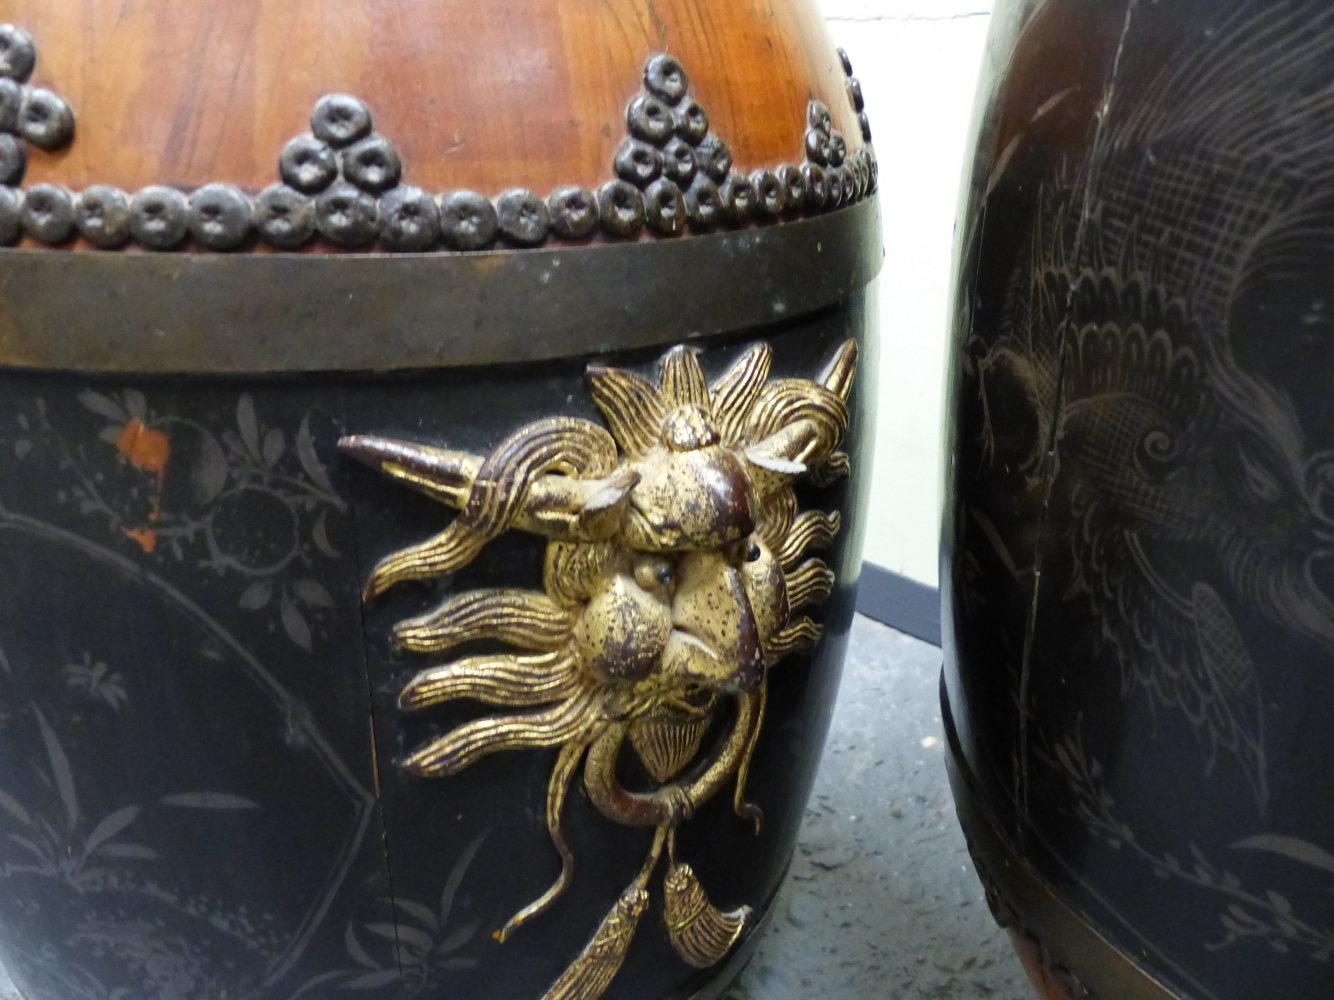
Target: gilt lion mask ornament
{"type": "Point", "coordinates": [675, 566]}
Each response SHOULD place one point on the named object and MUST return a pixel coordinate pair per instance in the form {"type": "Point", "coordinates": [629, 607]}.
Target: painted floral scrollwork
{"type": "Point", "coordinates": [251, 503]}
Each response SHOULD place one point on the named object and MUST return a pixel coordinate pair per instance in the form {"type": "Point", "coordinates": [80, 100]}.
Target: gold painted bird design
{"type": "Point", "coordinates": [675, 566]}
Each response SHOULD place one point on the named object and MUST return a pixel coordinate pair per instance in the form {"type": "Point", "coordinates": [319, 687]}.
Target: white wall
{"type": "Point", "coordinates": [917, 61]}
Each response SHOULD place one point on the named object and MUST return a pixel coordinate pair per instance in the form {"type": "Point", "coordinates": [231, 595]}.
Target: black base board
{"type": "Point", "coordinates": [900, 603]}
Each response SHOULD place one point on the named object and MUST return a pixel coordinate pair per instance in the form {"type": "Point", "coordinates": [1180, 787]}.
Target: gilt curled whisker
{"type": "Point", "coordinates": [524, 618]}
{"type": "Point", "coordinates": [813, 529]}
{"type": "Point", "coordinates": [788, 401]}
{"type": "Point", "coordinates": [777, 517]}
{"type": "Point", "coordinates": [681, 380]}
{"type": "Point", "coordinates": [557, 444]}
{"type": "Point", "coordinates": [566, 764]}
{"type": "Point", "coordinates": [735, 393]}
{"type": "Point", "coordinates": [800, 635]}
{"type": "Point", "coordinates": [810, 583]}
{"type": "Point", "coordinates": [744, 809]}
{"type": "Point", "coordinates": [572, 570]}
{"type": "Point", "coordinates": [445, 553]}
{"type": "Point", "coordinates": [631, 405]}
{"type": "Point", "coordinates": [505, 681]}
{"type": "Point", "coordinates": [835, 467]}
{"type": "Point", "coordinates": [572, 719]}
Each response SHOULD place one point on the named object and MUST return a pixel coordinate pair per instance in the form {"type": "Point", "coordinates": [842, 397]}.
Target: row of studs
{"type": "Point", "coordinates": [340, 181]}
{"type": "Point", "coordinates": [407, 219]}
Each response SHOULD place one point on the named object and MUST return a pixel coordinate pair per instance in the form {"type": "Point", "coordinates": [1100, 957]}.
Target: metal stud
{"type": "Point", "coordinates": [838, 149]}
{"type": "Point", "coordinates": [770, 194]}
{"type": "Point", "coordinates": [714, 158]}
{"type": "Point", "coordinates": [847, 63]}
{"type": "Point", "coordinates": [340, 119]}
{"type": "Point", "coordinates": [621, 208]}
{"type": "Point", "coordinates": [45, 120]}
{"type": "Point", "coordinates": [850, 183]}
{"type": "Point", "coordinates": [11, 103]}
{"type": "Point", "coordinates": [467, 220]}
{"type": "Point", "coordinates": [284, 217]}
{"type": "Point", "coordinates": [649, 119]}
{"type": "Point", "coordinates": [308, 164]}
{"type": "Point", "coordinates": [833, 179]}
{"type": "Point", "coordinates": [159, 217]}
{"type": "Point", "coordinates": [795, 182]}
{"type": "Point", "coordinates": [48, 213]}
{"type": "Point", "coordinates": [692, 123]}
{"type": "Point", "coordinates": [11, 215]}
{"type": "Point", "coordinates": [837, 185]}
{"type": "Point", "coordinates": [346, 215]}
{"type": "Point", "coordinates": [818, 117]}
{"type": "Point", "coordinates": [409, 220]}
{"type": "Point", "coordinates": [666, 78]}
{"type": "Point", "coordinates": [854, 88]}
{"type": "Point", "coordinates": [18, 54]}
{"type": "Point", "coordinates": [220, 216]}
{"type": "Point", "coordinates": [523, 217]}
{"type": "Point", "coordinates": [13, 160]}
{"type": "Point", "coordinates": [574, 212]}
{"type": "Point", "coordinates": [865, 123]}
{"type": "Point", "coordinates": [372, 164]}
{"type": "Point", "coordinates": [703, 203]}
{"type": "Point", "coordinates": [863, 170]}
{"type": "Point", "coordinates": [817, 188]}
{"type": "Point", "coordinates": [637, 162]}
{"type": "Point", "coordinates": [737, 195]}
{"type": "Point", "coordinates": [664, 208]}
{"type": "Point", "coordinates": [102, 214]}
{"type": "Point", "coordinates": [818, 148]}
{"type": "Point", "coordinates": [678, 162]}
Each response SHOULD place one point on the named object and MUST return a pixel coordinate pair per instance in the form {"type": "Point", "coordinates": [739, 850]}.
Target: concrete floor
{"type": "Point", "coordinates": [882, 902]}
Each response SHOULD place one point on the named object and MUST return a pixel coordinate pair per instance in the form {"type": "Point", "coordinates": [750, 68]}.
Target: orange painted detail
{"type": "Point", "coordinates": [146, 449]}
{"type": "Point", "coordinates": [147, 539]}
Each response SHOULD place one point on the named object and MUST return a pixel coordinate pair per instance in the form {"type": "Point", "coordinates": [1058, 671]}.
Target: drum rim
{"type": "Point", "coordinates": [1035, 909]}
{"type": "Point", "coordinates": [288, 313]}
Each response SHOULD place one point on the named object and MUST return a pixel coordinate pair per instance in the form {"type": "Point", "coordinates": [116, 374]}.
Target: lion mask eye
{"type": "Point", "coordinates": [652, 572]}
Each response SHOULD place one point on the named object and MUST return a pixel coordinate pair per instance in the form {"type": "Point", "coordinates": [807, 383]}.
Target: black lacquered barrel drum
{"type": "Point", "coordinates": [432, 451]}
{"type": "Point", "coordinates": [1139, 680]}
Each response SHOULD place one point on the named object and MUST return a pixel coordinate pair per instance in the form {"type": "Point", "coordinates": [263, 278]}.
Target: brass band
{"type": "Point", "coordinates": [262, 313]}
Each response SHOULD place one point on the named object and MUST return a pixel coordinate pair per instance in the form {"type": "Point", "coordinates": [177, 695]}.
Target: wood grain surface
{"type": "Point", "coordinates": [486, 94]}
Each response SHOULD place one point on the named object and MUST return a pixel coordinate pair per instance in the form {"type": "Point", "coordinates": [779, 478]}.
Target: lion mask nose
{"type": "Point", "coordinates": [715, 640]}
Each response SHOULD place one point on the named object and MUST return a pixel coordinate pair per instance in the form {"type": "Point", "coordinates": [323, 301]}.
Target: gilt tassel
{"type": "Point", "coordinates": [589, 975]}
{"type": "Point", "coordinates": [701, 933]}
